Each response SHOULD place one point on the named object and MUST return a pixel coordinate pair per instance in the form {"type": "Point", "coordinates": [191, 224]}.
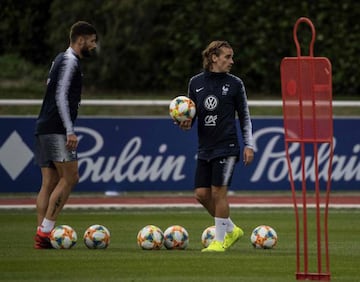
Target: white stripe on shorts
{"type": "Point", "coordinates": [228, 170]}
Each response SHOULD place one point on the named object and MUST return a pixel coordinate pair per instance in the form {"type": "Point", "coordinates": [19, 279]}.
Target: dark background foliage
{"type": "Point", "coordinates": [155, 45]}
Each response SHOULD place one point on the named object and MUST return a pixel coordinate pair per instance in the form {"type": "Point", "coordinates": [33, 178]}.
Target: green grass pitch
{"type": "Point", "coordinates": [125, 261]}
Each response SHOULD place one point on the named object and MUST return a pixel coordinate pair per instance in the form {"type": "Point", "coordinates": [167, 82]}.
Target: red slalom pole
{"type": "Point", "coordinates": [306, 83]}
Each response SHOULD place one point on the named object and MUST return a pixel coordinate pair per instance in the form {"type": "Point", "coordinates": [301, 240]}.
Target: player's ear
{"type": "Point", "coordinates": [214, 58]}
{"type": "Point", "coordinates": [81, 40]}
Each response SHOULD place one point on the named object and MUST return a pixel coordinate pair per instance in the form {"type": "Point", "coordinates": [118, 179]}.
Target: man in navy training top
{"type": "Point", "coordinates": [55, 139]}
{"type": "Point", "coordinates": [218, 96]}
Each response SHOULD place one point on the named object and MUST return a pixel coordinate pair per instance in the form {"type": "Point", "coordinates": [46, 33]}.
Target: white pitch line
{"type": "Point", "coordinates": [163, 206]}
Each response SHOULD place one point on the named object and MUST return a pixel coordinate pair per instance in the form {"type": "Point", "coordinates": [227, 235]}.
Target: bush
{"type": "Point", "coordinates": [156, 45]}
{"type": "Point", "coordinates": [14, 67]}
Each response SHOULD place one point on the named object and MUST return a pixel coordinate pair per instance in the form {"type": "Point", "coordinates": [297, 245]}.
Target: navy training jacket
{"type": "Point", "coordinates": [63, 95]}
{"type": "Point", "coordinates": [218, 97]}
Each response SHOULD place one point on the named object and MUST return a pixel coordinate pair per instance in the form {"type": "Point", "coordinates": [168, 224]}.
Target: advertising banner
{"type": "Point", "coordinates": [152, 154]}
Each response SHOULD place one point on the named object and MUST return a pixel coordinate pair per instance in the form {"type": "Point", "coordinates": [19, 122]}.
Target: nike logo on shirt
{"type": "Point", "coordinates": [199, 89]}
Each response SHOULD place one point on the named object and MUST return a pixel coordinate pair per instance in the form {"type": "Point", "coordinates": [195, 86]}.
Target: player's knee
{"type": "Point", "coordinates": [202, 195]}
{"type": "Point", "coordinates": [49, 184]}
{"type": "Point", "coordinates": [198, 198]}
{"type": "Point", "coordinates": [218, 192]}
{"type": "Point", "coordinates": [72, 179]}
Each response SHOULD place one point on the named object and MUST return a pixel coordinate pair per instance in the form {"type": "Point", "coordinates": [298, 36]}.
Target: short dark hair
{"type": "Point", "coordinates": [81, 28]}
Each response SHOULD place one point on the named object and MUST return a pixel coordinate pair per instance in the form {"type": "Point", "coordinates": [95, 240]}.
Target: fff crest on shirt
{"type": "Point", "coordinates": [225, 89]}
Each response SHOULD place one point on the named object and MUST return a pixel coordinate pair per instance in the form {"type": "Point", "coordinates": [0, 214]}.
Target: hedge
{"type": "Point", "coordinates": [156, 44]}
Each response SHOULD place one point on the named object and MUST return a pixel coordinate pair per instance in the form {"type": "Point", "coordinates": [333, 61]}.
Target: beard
{"type": "Point", "coordinates": [86, 53]}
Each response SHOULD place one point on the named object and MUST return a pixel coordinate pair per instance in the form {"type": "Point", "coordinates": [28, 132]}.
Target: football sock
{"type": "Point", "coordinates": [220, 228]}
{"type": "Point", "coordinates": [230, 225]}
{"type": "Point", "coordinates": [47, 225]}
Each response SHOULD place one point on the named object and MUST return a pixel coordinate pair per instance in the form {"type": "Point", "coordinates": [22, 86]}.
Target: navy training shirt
{"type": "Point", "coordinates": [218, 97]}
{"type": "Point", "coordinates": [63, 95]}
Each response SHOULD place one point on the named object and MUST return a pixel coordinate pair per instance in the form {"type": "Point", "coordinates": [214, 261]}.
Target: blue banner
{"type": "Point", "coordinates": [152, 154]}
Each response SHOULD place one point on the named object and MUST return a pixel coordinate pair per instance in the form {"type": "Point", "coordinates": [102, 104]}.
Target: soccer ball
{"type": "Point", "coordinates": [63, 237]}
{"type": "Point", "coordinates": [208, 236]}
{"type": "Point", "coordinates": [97, 237]}
{"type": "Point", "coordinates": [182, 108]}
{"type": "Point", "coordinates": [150, 237]}
{"type": "Point", "coordinates": [176, 237]}
{"type": "Point", "coordinates": [263, 237]}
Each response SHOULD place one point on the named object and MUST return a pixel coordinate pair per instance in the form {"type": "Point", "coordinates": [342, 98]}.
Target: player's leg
{"type": "Point", "coordinates": [226, 233]}
{"type": "Point", "coordinates": [219, 196]}
{"type": "Point", "coordinates": [222, 211]}
{"type": "Point", "coordinates": [68, 178]}
{"type": "Point", "coordinates": [60, 174]}
{"type": "Point", "coordinates": [50, 179]}
{"type": "Point", "coordinates": [221, 214]}
{"type": "Point", "coordinates": [204, 196]}
{"type": "Point", "coordinates": [203, 186]}
{"type": "Point", "coordinates": [222, 173]}
{"type": "Point", "coordinates": [226, 228]}
{"type": "Point", "coordinates": [219, 205]}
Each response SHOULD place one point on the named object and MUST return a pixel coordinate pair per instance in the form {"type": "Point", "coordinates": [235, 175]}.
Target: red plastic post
{"type": "Point", "coordinates": [306, 84]}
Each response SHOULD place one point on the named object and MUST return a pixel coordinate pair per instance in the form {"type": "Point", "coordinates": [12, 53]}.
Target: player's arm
{"type": "Point", "coordinates": [62, 101]}
{"type": "Point", "coordinates": [242, 109]}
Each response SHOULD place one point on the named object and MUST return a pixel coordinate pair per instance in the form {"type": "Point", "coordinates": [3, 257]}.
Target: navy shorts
{"type": "Point", "coordinates": [217, 172]}
{"type": "Point", "coordinates": [50, 148]}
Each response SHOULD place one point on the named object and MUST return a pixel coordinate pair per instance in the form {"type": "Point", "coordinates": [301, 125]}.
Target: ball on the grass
{"type": "Point", "coordinates": [63, 237]}
{"type": "Point", "coordinates": [150, 237]}
{"type": "Point", "coordinates": [264, 237]}
{"type": "Point", "coordinates": [97, 236]}
{"type": "Point", "coordinates": [176, 238]}
{"type": "Point", "coordinates": [208, 236]}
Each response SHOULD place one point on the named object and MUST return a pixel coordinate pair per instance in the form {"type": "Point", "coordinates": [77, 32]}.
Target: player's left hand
{"type": "Point", "coordinates": [248, 155]}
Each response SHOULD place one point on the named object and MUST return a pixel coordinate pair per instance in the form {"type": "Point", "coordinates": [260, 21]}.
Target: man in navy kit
{"type": "Point", "coordinates": [218, 96]}
{"type": "Point", "coordinates": [55, 139]}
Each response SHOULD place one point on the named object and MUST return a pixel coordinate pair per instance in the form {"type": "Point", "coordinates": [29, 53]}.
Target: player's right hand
{"type": "Point", "coordinates": [248, 155]}
{"type": "Point", "coordinates": [71, 142]}
{"type": "Point", "coordinates": [186, 124]}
